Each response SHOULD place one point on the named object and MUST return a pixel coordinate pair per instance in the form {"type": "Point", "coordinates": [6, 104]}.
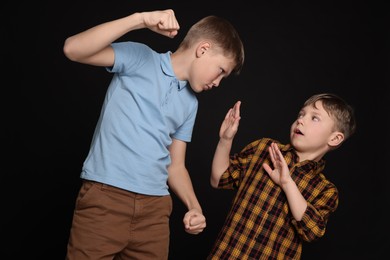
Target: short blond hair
{"type": "Point", "coordinates": [222, 33]}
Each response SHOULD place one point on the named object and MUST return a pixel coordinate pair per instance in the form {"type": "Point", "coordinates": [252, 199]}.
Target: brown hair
{"type": "Point", "coordinates": [222, 33]}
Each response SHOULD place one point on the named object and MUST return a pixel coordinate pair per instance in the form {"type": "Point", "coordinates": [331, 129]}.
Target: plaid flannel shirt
{"type": "Point", "coordinates": [259, 224]}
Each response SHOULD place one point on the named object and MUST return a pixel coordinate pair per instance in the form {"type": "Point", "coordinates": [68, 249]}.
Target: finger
{"type": "Point", "coordinates": [238, 107]}
{"type": "Point", "coordinates": [169, 33]}
{"type": "Point", "coordinates": [197, 220]}
{"type": "Point", "coordinates": [168, 21]}
{"type": "Point", "coordinates": [278, 153]}
{"type": "Point", "coordinates": [194, 232]}
{"type": "Point", "coordinates": [267, 168]}
{"type": "Point", "coordinates": [186, 222]}
{"type": "Point", "coordinates": [168, 25]}
{"type": "Point", "coordinates": [197, 228]}
{"type": "Point", "coordinates": [173, 33]}
{"type": "Point", "coordinates": [230, 113]}
{"type": "Point", "coordinates": [271, 153]}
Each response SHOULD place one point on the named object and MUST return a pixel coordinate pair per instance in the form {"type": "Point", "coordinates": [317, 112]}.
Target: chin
{"type": "Point", "coordinates": [198, 90]}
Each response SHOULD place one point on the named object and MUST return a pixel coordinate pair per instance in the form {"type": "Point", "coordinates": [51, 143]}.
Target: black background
{"type": "Point", "coordinates": [50, 106]}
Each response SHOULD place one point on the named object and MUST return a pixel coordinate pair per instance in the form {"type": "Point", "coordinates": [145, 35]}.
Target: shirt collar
{"type": "Point", "coordinates": [166, 67]}
{"type": "Point", "coordinates": [318, 166]}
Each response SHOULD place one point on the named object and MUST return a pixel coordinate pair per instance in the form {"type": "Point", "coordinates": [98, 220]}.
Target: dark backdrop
{"type": "Point", "coordinates": [293, 50]}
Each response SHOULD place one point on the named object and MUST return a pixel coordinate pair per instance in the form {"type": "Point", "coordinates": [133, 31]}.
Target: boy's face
{"type": "Point", "coordinates": [312, 131]}
{"type": "Point", "coordinates": [209, 69]}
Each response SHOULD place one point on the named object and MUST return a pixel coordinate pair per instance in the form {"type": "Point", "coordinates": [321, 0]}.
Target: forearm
{"type": "Point", "coordinates": [180, 183]}
{"type": "Point", "coordinates": [220, 161]}
{"type": "Point", "coordinates": [95, 39]}
{"type": "Point", "coordinates": [296, 201]}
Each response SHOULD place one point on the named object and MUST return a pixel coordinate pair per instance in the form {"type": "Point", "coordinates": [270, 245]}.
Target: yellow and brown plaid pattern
{"type": "Point", "coordinates": [259, 224]}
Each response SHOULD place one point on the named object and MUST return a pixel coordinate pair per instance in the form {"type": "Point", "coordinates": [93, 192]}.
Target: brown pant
{"type": "Point", "coordinates": [111, 223]}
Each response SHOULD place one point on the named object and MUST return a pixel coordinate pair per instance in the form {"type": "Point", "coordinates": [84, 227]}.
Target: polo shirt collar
{"type": "Point", "coordinates": [166, 67]}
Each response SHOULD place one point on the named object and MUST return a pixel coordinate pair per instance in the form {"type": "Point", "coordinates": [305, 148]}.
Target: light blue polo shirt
{"type": "Point", "coordinates": [144, 108]}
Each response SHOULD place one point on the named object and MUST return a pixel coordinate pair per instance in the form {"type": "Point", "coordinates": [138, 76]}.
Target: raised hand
{"type": "Point", "coordinates": [280, 174]}
{"type": "Point", "coordinates": [163, 22]}
{"type": "Point", "coordinates": [230, 124]}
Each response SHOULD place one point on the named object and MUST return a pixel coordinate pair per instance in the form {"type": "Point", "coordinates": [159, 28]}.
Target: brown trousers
{"type": "Point", "coordinates": [111, 223]}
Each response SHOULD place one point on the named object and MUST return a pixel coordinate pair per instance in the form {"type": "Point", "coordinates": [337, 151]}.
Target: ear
{"type": "Point", "coordinates": [336, 139]}
{"type": "Point", "coordinates": [202, 48]}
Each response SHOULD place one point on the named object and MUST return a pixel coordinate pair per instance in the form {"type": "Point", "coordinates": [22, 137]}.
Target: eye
{"type": "Point", "coordinates": [315, 119]}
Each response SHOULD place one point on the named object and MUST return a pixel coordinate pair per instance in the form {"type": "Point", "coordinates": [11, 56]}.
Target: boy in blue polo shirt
{"type": "Point", "coordinates": [138, 148]}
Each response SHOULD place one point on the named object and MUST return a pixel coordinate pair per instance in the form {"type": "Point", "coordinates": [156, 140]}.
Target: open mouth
{"type": "Point", "coordinates": [297, 131]}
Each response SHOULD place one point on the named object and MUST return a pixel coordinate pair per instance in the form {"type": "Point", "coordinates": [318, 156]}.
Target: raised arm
{"type": "Point", "coordinates": [92, 46]}
{"type": "Point", "coordinates": [280, 174]}
{"type": "Point", "coordinates": [227, 132]}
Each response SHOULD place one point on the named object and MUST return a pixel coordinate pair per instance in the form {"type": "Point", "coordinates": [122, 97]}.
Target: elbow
{"type": "Point", "coordinates": [70, 50]}
{"type": "Point", "coordinates": [313, 235]}
{"type": "Point", "coordinates": [215, 177]}
{"type": "Point", "coordinates": [214, 182]}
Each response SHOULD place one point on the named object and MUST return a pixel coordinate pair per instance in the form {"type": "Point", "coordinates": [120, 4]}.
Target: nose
{"type": "Point", "coordinates": [217, 81]}
{"type": "Point", "coordinates": [300, 120]}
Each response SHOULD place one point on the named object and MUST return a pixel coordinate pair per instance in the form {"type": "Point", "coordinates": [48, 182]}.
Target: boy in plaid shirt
{"type": "Point", "coordinates": [283, 197]}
